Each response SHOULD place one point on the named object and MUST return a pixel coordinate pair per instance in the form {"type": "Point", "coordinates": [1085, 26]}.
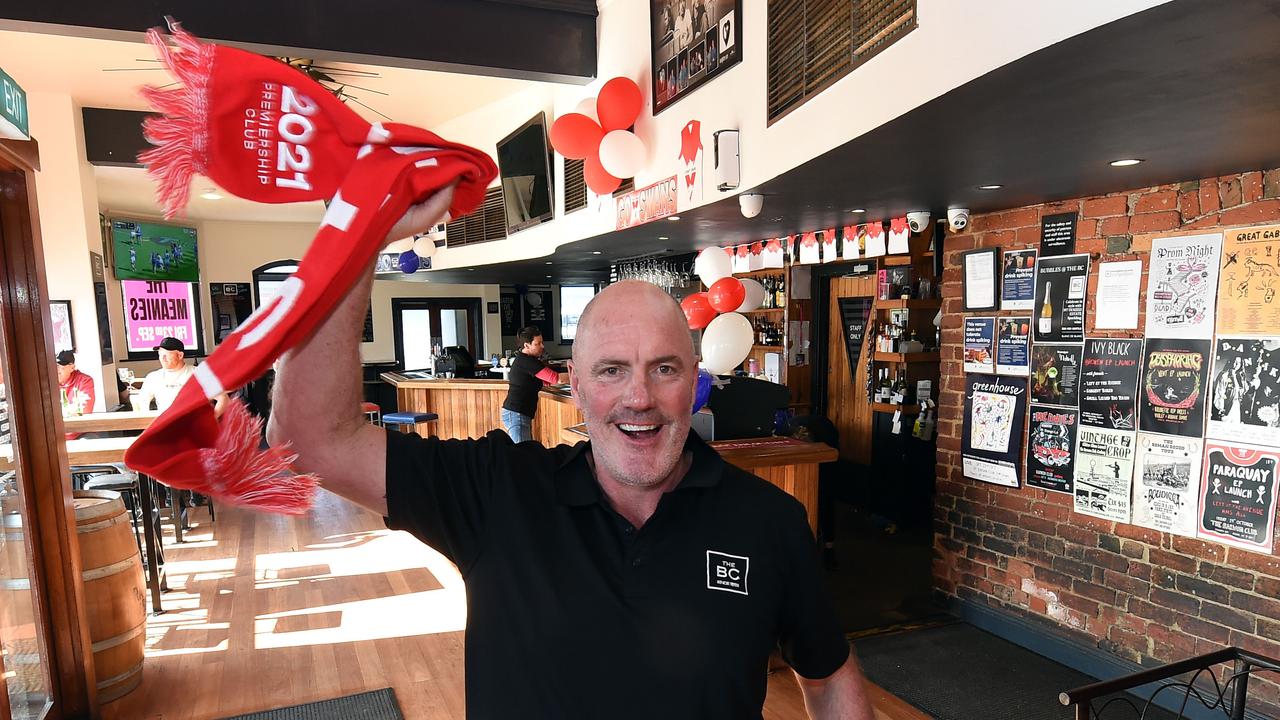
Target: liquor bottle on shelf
{"type": "Point", "coordinates": [780, 289]}
{"type": "Point", "coordinates": [767, 303]}
{"type": "Point", "coordinates": [1046, 311]}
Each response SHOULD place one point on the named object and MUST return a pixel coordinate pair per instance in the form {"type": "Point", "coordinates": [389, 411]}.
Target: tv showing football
{"type": "Point", "coordinates": [153, 251]}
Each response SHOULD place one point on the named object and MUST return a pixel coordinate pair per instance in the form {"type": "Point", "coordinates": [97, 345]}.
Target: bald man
{"type": "Point", "coordinates": [637, 575]}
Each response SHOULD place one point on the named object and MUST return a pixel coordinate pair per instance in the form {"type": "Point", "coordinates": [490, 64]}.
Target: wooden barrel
{"type": "Point", "coordinates": [113, 591]}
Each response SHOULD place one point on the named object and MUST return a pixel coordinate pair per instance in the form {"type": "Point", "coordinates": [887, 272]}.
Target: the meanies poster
{"type": "Point", "coordinates": [1061, 286]}
{"type": "Point", "coordinates": [1104, 472]}
{"type": "Point", "coordinates": [1175, 373]}
{"type": "Point", "coordinates": [1055, 374]}
{"type": "Point", "coordinates": [995, 411]}
{"type": "Point", "coordinates": [1051, 446]}
{"type": "Point", "coordinates": [1182, 282]}
{"type": "Point", "coordinates": [1249, 281]}
{"type": "Point", "coordinates": [1167, 483]}
{"type": "Point", "coordinates": [1244, 396]}
{"type": "Point", "coordinates": [1238, 495]}
{"type": "Point", "coordinates": [1109, 383]}
{"type": "Point", "coordinates": [1018, 275]}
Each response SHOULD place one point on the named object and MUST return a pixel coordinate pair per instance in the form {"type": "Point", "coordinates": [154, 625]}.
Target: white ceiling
{"type": "Point", "coordinates": [86, 69]}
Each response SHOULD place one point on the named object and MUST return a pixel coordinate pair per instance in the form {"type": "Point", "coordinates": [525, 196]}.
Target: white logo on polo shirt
{"type": "Point", "coordinates": [727, 572]}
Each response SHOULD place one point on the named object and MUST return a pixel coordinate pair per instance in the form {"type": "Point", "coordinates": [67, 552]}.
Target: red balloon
{"type": "Point", "coordinates": [698, 311]}
{"type": "Point", "coordinates": [598, 179]}
{"type": "Point", "coordinates": [576, 136]}
{"type": "Point", "coordinates": [618, 104]}
{"type": "Point", "coordinates": [726, 294]}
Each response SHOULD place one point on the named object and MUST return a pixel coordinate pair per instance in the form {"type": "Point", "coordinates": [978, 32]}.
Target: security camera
{"type": "Point", "coordinates": [918, 220]}
{"type": "Point", "coordinates": [751, 204]}
{"type": "Point", "coordinates": [957, 219]}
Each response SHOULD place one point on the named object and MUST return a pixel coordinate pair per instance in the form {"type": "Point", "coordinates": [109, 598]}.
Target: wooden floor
{"type": "Point", "coordinates": [267, 611]}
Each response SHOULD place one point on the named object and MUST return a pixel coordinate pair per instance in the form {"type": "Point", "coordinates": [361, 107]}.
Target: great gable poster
{"type": "Point", "coordinates": [1104, 472]}
{"type": "Point", "coordinates": [1175, 373]}
{"type": "Point", "coordinates": [1109, 383]}
{"type": "Point", "coordinates": [1248, 282]}
{"type": "Point", "coordinates": [1051, 446]}
{"type": "Point", "coordinates": [1244, 398]}
{"type": "Point", "coordinates": [1018, 280]}
{"type": "Point", "coordinates": [1062, 283]}
{"type": "Point", "coordinates": [1182, 283]}
{"type": "Point", "coordinates": [1055, 374]}
{"type": "Point", "coordinates": [1238, 495]}
{"type": "Point", "coordinates": [995, 411]}
{"type": "Point", "coordinates": [1166, 483]}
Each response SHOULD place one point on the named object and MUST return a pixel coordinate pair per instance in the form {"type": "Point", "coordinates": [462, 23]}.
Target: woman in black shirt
{"type": "Point", "coordinates": [528, 373]}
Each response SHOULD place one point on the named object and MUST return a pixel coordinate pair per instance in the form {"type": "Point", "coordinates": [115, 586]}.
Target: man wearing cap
{"type": "Point", "coordinates": [163, 385]}
{"type": "Point", "coordinates": [76, 388]}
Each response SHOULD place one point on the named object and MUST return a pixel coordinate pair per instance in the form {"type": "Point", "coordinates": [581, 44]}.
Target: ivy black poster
{"type": "Point", "coordinates": [1018, 280]}
{"type": "Point", "coordinates": [1051, 448]}
{"type": "Point", "coordinates": [1109, 383]}
{"type": "Point", "coordinates": [1244, 399]}
{"type": "Point", "coordinates": [995, 411]}
{"type": "Point", "coordinates": [1055, 374]}
{"type": "Point", "coordinates": [1175, 373]}
{"type": "Point", "coordinates": [1238, 495]}
{"type": "Point", "coordinates": [853, 314]}
{"type": "Point", "coordinates": [1061, 286]}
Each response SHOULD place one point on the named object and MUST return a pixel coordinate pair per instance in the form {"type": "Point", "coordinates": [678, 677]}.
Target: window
{"type": "Point", "coordinates": [573, 300]}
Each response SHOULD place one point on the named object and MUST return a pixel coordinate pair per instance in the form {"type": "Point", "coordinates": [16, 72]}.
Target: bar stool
{"type": "Point", "coordinates": [372, 411]}
{"type": "Point", "coordinates": [408, 418]}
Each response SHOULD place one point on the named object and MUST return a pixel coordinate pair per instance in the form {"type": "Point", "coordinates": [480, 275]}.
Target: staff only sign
{"type": "Point", "coordinates": [156, 310]}
{"type": "Point", "coordinates": [640, 206]}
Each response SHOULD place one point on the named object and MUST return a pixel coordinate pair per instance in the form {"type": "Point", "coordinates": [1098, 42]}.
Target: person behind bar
{"type": "Point", "coordinates": [528, 373]}
{"type": "Point", "coordinates": [637, 575]}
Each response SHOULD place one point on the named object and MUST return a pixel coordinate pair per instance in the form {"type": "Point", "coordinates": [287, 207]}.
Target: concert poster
{"type": "Point", "coordinates": [1248, 282]}
{"type": "Point", "coordinates": [1109, 383]}
{"type": "Point", "coordinates": [1055, 374]}
{"type": "Point", "coordinates": [1238, 495]}
{"type": "Point", "coordinates": [1051, 448]}
{"type": "Point", "coordinates": [995, 411]}
{"type": "Point", "coordinates": [1104, 472]}
{"type": "Point", "coordinates": [1175, 376]}
{"type": "Point", "coordinates": [1244, 390]}
{"type": "Point", "coordinates": [1182, 286]}
{"type": "Point", "coordinates": [1167, 483]}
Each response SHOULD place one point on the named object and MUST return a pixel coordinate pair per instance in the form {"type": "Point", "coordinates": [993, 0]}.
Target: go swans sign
{"type": "Point", "coordinates": [13, 109]}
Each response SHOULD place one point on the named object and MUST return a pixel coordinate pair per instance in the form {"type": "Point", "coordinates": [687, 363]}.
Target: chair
{"type": "Point", "coordinates": [408, 418]}
{"type": "Point", "coordinates": [373, 412]}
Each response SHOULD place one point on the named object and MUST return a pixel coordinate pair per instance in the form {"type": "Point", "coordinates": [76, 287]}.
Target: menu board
{"type": "Point", "coordinates": [1167, 482]}
{"type": "Point", "coordinates": [1175, 373]}
{"type": "Point", "coordinates": [1055, 374]}
{"type": "Point", "coordinates": [1061, 286]}
{"type": "Point", "coordinates": [1248, 282]}
{"type": "Point", "coordinates": [1182, 284]}
{"type": "Point", "coordinates": [995, 411]}
{"type": "Point", "coordinates": [854, 312]}
{"type": "Point", "coordinates": [1109, 383]}
{"type": "Point", "coordinates": [1244, 397]}
{"type": "Point", "coordinates": [1104, 473]}
{"type": "Point", "coordinates": [1051, 448]}
{"type": "Point", "coordinates": [1013, 345]}
{"type": "Point", "coordinates": [1238, 495]}
{"type": "Point", "coordinates": [1058, 234]}
{"type": "Point", "coordinates": [1018, 279]}
{"type": "Point", "coordinates": [979, 344]}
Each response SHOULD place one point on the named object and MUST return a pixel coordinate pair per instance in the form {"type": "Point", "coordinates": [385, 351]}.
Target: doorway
{"type": "Point", "coordinates": [420, 324]}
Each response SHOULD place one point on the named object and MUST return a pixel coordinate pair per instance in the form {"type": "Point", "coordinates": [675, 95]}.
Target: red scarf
{"type": "Point", "coordinates": [266, 132]}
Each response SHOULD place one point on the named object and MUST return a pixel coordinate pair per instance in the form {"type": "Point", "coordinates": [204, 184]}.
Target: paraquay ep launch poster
{"type": "Point", "coordinates": [1182, 286]}
{"type": "Point", "coordinates": [1051, 448]}
{"type": "Point", "coordinates": [1167, 482]}
{"type": "Point", "coordinates": [1238, 495]}
{"type": "Point", "coordinates": [995, 411]}
{"type": "Point", "coordinates": [1104, 472]}
{"type": "Point", "coordinates": [1109, 383]}
{"type": "Point", "coordinates": [1175, 374]}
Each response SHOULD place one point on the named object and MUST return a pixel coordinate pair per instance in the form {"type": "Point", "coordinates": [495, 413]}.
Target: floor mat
{"type": "Point", "coordinates": [373, 705]}
{"type": "Point", "coordinates": [958, 672]}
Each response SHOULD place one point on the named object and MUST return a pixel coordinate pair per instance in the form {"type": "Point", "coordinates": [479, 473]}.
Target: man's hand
{"type": "Point", "coordinates": [842, 696]}
{"type": "Point", "coordinates": [422, 217]}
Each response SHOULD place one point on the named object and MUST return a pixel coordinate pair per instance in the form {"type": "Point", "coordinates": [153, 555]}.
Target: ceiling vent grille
{"type": "Point", "coordinates": [487, 223]}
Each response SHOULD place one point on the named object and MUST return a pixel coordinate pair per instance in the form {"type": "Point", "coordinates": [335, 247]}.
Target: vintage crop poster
{"type": "Point", "coordinates": [1244, 396]}
{"type": "Point", "coordinates": [1013, 346]}
{"type": "Point", "coordinates": [1018, 280]}
{"type": "Point", "coordinates": [1182, 283]}
{"type": "Point", "coordinates": [1062, 284]}
{"type": "Point", "coordinates": [1051, 447]}
{"type": "Point", "coordinates": [1104, 472]}
{"type": "Point", "coordinates": [995, 411]}
{"type": "Point", "coordinates": [1248, 282]}
{"type": "Point", "coordinates": [1238, 495]}
{"type": "Point", "coordinates": [1175, 374]}
{"type": "Point", "coordinates": [1109, 383]}
{"type": "Point", "coordinates": [980, 345]}
{"type": "Point", "coordinates": [1055, 374]}
{"type": "Point", "coordinates": [1167, 483]}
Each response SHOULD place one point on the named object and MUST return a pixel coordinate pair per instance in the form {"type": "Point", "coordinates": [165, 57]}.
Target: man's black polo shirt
{"type": "Point", "coordinates": [573, 613]}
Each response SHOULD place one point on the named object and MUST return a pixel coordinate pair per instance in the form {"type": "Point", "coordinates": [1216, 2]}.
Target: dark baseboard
{"type": "Point", "coordinates": [1078, 656]}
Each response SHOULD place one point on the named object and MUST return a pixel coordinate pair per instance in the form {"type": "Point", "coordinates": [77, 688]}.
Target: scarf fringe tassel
{"type": "Point", "coordinates": [242, 474]}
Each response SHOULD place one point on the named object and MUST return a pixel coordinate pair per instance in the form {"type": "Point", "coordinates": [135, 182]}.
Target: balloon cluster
{"type": "Point", "coordinates": [410, 249]}
{"type": "Point", "coordinates": [727, 335]}
{"type": "Point", "coordinates": [596, 132]}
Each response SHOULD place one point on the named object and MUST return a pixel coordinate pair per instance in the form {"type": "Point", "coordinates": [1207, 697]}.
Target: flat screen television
{"type": "Point", "coordinates": [143, 250]}
{"type": "Point", "coordinates": [524, 165]}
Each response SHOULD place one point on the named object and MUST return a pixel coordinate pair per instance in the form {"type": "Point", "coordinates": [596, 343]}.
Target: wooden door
{"type": "Point", "coordinates": [846, 400]}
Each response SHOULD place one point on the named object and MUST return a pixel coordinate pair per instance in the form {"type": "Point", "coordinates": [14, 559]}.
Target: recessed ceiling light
{"type": "Point", "coordinates": [663, 237]}
{"type": "Point", "coordinates": [548, 276]}
{"type": "Point", "coordinates": [674, 217]}
{"type": "Point", "coordinates": [548, 262]}
{"type": "Point", "coordinates": [595, 252]}
{"type": "Point", "coordinates": [990, 187]}
{"type": "Point", "coordinates": [1125, 162]}
{"type": "Point", "coordinates": [857, 210]}
{"type": "Point", "coordinates": [211, 194]}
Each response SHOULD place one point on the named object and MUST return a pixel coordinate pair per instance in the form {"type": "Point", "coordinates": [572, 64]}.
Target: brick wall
{"type": "Point", "coordinates": [1146, 596]}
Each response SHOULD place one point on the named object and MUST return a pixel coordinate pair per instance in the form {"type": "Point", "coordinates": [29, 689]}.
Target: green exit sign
{"type": "Point", "coordinates": [13, 109]}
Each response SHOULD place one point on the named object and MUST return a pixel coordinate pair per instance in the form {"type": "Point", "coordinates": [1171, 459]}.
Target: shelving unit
{"type": "Point", "coordinates": [891, 408]}
{"type": "Point", "coordinates": [915, 357]}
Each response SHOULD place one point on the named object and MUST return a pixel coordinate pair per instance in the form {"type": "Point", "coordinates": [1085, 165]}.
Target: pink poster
{"type": "Point", "coordinates": [156, 310]}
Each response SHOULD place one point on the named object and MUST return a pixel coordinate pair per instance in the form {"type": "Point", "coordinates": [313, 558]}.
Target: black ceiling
{"type": "Point", "coordinates": [1191, 86]}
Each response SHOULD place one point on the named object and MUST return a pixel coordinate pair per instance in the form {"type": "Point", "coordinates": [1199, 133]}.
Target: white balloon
{"type": "Point", "coordinates": [587, 107]}
{"type": "Point", "coordinates": [712, 264]}
{"type": "Point", "coordinates": [425, 246]}
{"type": "Point", "coordinates": [726, 343]}
{"type": "Point", "coordinates": [754, 297]}
{"type": "Point", "coordinates": [622, 153]}
{"type": "Point", "coordinates": [399, 246]}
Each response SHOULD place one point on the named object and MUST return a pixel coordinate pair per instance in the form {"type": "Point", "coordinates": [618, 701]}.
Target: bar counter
{"type": "Point", "coordinates": [471, 408]}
